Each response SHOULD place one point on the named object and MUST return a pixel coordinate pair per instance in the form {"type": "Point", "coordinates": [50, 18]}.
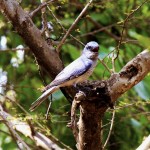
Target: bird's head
{"type": "Point", "coordinates": [91, 50]}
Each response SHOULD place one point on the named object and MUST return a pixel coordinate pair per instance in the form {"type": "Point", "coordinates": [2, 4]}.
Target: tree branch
{"type": "Point", "coordinates": [73, 25]}
{"type": "Point", "coordinates": [145, 144]}
{"type": "Point", "coordinates": [45, 54]}
{"type": "Point", "coordinates": [21, 144]}
{"type": "Point", "coordinates": [111, 127]}
{"type": "Point", "coordinates": [24, 128]}
{"type": "Point", "coordinates": [122, 33]}
{"type": "Point", "coordinates": [44, 4]}
{"type": "Point", "coordinates": [22, 22]}
{"type": "Point", "coordinates": [62, 27]}
{"type": "Point", "coordinates": [102, 94]}
{"type": "Point", "coordinates": [99, 94]}
{"type": "Point", "coordinates": [131, 74]}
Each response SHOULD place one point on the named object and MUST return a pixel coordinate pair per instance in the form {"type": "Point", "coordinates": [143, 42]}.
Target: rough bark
{"type": "Point", "coordinates": [45, 54]}
{"type": "Point", "coordinates": [90, 126]}
{"type": "Point", "coordinates": [99, 94]}
{"type": "Point", "coordinates": [102, 94]}
{"type": "Point", "coordinates": [131, 74]}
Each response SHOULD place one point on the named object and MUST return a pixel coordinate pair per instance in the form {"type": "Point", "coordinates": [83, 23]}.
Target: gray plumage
{"type": "Point", "coordinates": [76, 72]}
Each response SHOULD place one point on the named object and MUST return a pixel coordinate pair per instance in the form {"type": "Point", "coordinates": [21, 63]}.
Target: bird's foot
{"type": "Point", "coordinates": [82, 93]}
{"type": "Point", "coordinates": [79, 89]}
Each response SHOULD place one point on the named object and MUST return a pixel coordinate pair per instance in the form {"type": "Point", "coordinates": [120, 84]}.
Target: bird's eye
{"type": "Point", "coordinates": [89, 47]}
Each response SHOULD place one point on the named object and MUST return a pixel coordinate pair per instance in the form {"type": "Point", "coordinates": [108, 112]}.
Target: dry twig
{"type": "Point", "coordinates": [32, 14]}
{"type": "Point", "coordinates": [73, 25]}
{"type": "Point", "coordinates": [21, 144]}
{"type": "Point", "coordinates": [25, 129]}
{"type": "Point", "coordinates": [39, 135]}
{"type": "Point", "coordinates": [63, 27]}
{"type": "Point", "coordinates": [122, 32]}
{"type": "Point", "coordinates": [101, 61]}
{"type": "Point", "coordinates": [111, 127]}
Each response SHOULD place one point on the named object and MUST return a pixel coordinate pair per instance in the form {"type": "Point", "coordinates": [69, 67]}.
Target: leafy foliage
{"type": "Point", "coordinates": [104, 22]}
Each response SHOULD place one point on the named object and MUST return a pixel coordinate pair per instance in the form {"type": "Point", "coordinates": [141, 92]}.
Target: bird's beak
{"type": "Point", "coordinates": [95, 49]}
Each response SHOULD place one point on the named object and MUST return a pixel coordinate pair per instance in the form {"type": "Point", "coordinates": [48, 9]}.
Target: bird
{"type": "Point", "coordinates": [76, 72]}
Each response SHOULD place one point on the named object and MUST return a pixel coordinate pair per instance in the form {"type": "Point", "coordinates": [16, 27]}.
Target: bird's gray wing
{"type": "Point", "coordinates": [72, 71]}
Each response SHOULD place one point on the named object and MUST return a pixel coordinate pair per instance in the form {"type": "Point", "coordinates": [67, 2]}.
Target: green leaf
{"type": "Point", "coordinates": [72, 50]}
{"type": "Point", "coordinates": [135, 123]}
{"type": "Point", "coordinates": [144, 41]}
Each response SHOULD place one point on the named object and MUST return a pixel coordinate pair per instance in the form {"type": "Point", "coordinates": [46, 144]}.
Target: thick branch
{"type": "Point", "coordinates": [21, 21]}
{"type": "Point", "coordinates": [45, 54]}
{"type": "Point", "coordinates": [102, 94]}
{"type": "Point", "coordinates": [131, 74]}
{"type": "Point", "coordinates": [91, 113]}
{"type": "Point", "coordinates": [145, 144]}
{"type": "Point", "coordinates": [22, 127]}
{"type": "Point", "coordinates": [90, 126]}
{"type": "Point", "coordinates": [107, 92]}
{"type": "Point", "coordinates": [21, 144]}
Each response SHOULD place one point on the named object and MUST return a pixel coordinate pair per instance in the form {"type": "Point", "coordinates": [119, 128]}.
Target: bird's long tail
{"type": "Point", "coordinates": [43, 97]}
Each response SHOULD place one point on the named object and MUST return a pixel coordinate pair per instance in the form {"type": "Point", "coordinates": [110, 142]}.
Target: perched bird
{"type": "Point", "coordinates": [78, 71]}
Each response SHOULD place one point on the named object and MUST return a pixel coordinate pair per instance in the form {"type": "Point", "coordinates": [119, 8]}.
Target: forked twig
{"type": "Point", "coordinates": [73, 25]}
{"type": "Point", "coordinates": [40, 7]}
{"type": "Point", "coordinates": [58, 22]}
{"type": "Point", "coordinates": [122, 32]}
{"type": "Point", "coordinates": [101, 61]}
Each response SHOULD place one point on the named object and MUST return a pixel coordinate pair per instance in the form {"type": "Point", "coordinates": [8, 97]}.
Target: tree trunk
{"type": "Point", "coordinates": [102, 94]}
{"type": "Point", "coordinates": [99, 94]}
{"type": "Point", "coordinates": [90, 126]}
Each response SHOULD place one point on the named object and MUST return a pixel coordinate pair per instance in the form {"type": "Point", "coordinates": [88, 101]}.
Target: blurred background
{"type": "Point", "coordinates": [118, 26]}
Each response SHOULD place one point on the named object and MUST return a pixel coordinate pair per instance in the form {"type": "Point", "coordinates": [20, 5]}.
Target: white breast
{"type": "Point", "coordinates": [81, 78]}
{"type": "Point", "coordinates": [85, 76]}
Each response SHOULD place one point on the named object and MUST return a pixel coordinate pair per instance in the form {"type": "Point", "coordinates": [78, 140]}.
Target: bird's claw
{"type": "Point", "coordinates": [81, 92]}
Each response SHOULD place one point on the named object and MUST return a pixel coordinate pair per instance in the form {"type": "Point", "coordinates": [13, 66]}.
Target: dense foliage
{"type": "Point", "coordinates": [118, 26]}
